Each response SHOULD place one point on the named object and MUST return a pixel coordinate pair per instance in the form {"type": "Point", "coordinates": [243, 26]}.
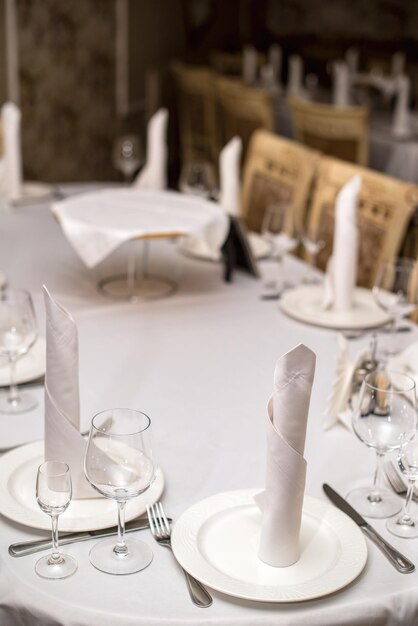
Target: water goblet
{"type": "Point", "coordinates": [273, 230]}
{"type": "Point", "coordinates": [127, 155]}
{"type": "Point", "coordinates": [396, 291]}
{"type": "Point", "coordinates": [405, 525]}
{"type": "Point", "coordinates": [53, 493]}
{"type": "Point", "coordinates": [119, 464]}
{"type": "Point", "coordinates": [18, 333]}
{"type": "Point", "coordinates": [384, 416]}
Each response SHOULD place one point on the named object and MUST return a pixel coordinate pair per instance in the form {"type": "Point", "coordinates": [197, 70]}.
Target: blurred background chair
{"type": "Point", "coordinates": [230, 63]}
{"type": "Point", "coordinates": [384, 212]}
{"type": "Point", "coordinates": [340, 132]}
{"type": "Point", "coordinates": [277, 171]}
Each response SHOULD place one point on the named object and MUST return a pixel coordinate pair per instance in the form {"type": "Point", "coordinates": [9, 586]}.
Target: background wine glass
{"type": "Point", "coordinates": [396, 292]}
{"type": "Point", "coordinates": [18, 333]}
{"type": "Point", "coordinates": [53, 493]}
{"type": "Point", "coordinates": [119, 464]}
{"type": "Point", "coordinates": [128, 155]}
{"type": "Point", "coordinates": [313, 246]}
{"type": "Point", "coordinates": [405, 525]}
{"type": "Point", "coordinates": [273, 231]}
{"type": "Point", "coordinates": [197, 179]}
{"type": "Point", "coordinates": [384, 415]}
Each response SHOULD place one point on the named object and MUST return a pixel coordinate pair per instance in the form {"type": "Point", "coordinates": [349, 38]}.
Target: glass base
{"type": "Point", "coordinates": [24, 402]}
{"type": "Point", "coordinates": [145, 288]}
{"type": "Point", "coordinates": [104, 558]}
{"type": "Point", "coordinates": [47, 567]}
{"type": "Point", "coordinates": [386, 506]}
{"type": "Point", "coordinates": [406, 531]}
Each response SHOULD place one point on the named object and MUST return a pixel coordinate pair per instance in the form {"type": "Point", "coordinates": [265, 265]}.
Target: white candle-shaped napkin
{"type": "Point", "coordinates": [154, 173]}
{"type": "Point", "coordinates": [341, 84]}
{"type": "Point", "coordinates": [401, 125]}
{"type": "Point", "coordinates": [12, 160]}
{"type": "Point", "coordinates": [229, 174]}
{"type": "Point", "coordinates": [282, 500]}
{"type": "Point", "coordinates": [341, 275]}
{"type": "Point", "coordinates": [63, 441]}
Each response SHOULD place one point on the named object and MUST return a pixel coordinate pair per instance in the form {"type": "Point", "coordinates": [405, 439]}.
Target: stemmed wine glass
{"type": "Point", "coordinates": [119, 464]}
{"type": "Point", "coordinates": [197, 179]}
{"type": "Point", "coordinates": [18, 333]}
{"type": "Point", "coordinates": [273, 231]}
{"type": "Point", "coordinates": [384, 416]}
{"type": "Point", "coordinates": [396, 292]}
{"type": "Point", "coordinates": [405, 525]}
{"type": "Point", "coordinates": [313, 245]}
{"type": "Point", "coordinates": [127, 155]}
{"type": "Point", "coordinates": [53, 493]}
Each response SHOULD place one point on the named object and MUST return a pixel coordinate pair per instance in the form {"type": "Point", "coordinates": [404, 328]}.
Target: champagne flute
{"type": "Point", "coordinates": [396, 291]}
{"type": "Point", "coordinates": [17, 335]}
{"type": "Point", "coordinates": [384, 416]}
{"type": "Point", "coordinates": [405, 525]}
{"type": "Point", "coordinates": [127, 155]}
{"type": "Point", "coordinates": [53, 493]}
{"type": "Point", "coordinates": [119, 464]}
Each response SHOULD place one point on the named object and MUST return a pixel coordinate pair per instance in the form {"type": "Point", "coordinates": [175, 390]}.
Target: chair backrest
{"type": "Point", "coordinates": [242, 110]}
{"type": "Point", "coordinates": [384, 211]}
{"type": "Point", "coordinates": [277, 171]}
{"type": "Point", "coordinates": [230, 63]}
{"type": "Point", "coordinates": [342, 132]}
{"type": "Point", "coordinates": [197, 113]}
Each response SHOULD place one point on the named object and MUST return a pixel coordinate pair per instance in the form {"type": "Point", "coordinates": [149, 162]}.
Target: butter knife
{"type": "Point", "coordinates": [30, 547]}
{"type": "Point", "coordinates": [397, 559]}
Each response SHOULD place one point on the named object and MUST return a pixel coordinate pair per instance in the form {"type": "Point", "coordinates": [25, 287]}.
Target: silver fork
{"type": "Point", "coordinates": [161, 531]}
{"type": "Point", "coordinates": [395, 481]}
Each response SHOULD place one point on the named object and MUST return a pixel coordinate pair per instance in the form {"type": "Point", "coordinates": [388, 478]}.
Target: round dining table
{"type": "Point", "coordinates": [201, 365]}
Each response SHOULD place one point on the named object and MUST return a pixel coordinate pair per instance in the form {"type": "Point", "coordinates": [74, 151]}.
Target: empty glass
{"type": "Point", "coordinates": [53, 493]}
{"type": "Point", "coordinates": [384, 416]}
{"type": "Point", "coordinates": [119, 464]}
{"type": "Point", "coordinates": [405, 525]}
{"type": "Point", "coordinates": [197, 179]}
{"type": "Point", "coordinates": [273, 231]}
{"type": "Point", "coordinates": [313, 246]}
{"type": "Point", "coordinates": [127, 155]}
{"type": "Point", "coordinates": [18, 333]}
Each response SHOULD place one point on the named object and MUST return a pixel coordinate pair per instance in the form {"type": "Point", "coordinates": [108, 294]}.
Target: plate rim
{"type": "Point", "coordinates": [19, 514]}
{"type": "Point", "coordinates": [183, 524]}
{"type": "Point", "coordinates": [40, 345]}
{"type": "Point", "coordinates": [332, 325]}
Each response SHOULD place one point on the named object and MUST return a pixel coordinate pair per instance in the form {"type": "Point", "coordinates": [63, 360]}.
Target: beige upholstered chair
{"type": "Point", "coordinates": [384, 211]}
{"type": "Point", "coordinates": [341, 132]}
{"type": "Point", "coordinates": [242, 110]}
{"type": "Point", "coordinates": [197, 118]}
{"type": "Point", "coordinates": [277, 171]}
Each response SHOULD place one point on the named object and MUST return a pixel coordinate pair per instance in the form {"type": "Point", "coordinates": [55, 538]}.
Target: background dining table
{"type": "Point", "coordinates": [200, 364]}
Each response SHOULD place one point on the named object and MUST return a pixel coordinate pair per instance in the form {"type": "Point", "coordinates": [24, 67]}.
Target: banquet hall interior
{"type": "Point", "coordinates": [208, 312]}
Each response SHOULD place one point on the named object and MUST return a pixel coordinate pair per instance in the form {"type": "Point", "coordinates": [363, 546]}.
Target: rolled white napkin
{"type": "Point", "coordinates": [295, 78]}
{"type": "Point", "coordinates": [154, 173]}
{"type": "Point", "coordinates": [341, 274]}
{"type": "Point", "coordinates": [11, 179]}
{"type": "Point", "coordinates": [229, 176]}
{"type": "Point", "coordinates": [282, 500]}
{"type": "Point", "coordinates": [63, 441]}
{"type": "Point", "coordinates": [401, 124]}
{"type": "Point", "coordinates": [341, 84]}
{"type": "Point", "coordinates": [249, 65]}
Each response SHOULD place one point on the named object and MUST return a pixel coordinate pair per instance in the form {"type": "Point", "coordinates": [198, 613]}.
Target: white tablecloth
{"type": "Point", "coordinates": [201, 365]}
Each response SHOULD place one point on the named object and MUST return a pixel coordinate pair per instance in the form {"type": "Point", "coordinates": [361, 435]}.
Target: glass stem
{"type": "Point", "coordinates": [405, 517]}
{"type": "Point", "coordinates": [55, 556]}
{"type": "Point", "coordinates": [13, 392]}
{"type": "Point", "coordinates": [121, 548]}
{"type": "Point", "coordinates": [374, 495]}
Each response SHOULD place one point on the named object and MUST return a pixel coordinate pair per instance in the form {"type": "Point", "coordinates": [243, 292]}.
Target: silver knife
{"type": "Point", "coordinates": [30, 547]}
{"type": "Point", "coordinates": [397, 559]}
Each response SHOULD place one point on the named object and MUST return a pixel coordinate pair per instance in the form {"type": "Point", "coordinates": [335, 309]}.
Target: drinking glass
{"type": "Point", "coordinates": [53, 493]}
{"type": "Point", "coordinates": [405, 525]}
{"type": "Point", "coordinates": [313, 246]}
{"type": "Point", "coordinates": [119, 464]}
{"type": "Point", "coordinates": [127, 155]}
{"type": "Point", "coordinates": [273, 232]}
{"type": "Point", "coordinates": [396, 292]}
{"type": "Point", "coordinates": [197, 179]}
{"type": "Point", "coordinates": [384, 416]}
{"type": "Point", "coordinates": [18, 333]}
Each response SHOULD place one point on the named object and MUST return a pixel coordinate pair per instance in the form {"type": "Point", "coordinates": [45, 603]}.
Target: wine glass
{"type": "Point", "coordinates": [405, 525]}
{"type": "Point", "coordinates": [396, 291]}
{"type": "Point", "coordinates": [119, 464]}
{"type": "Point", "coordinates": [273, 231]}
{"type": "Point", "coordinates": [384, 415]}
{"type": "Point", "coordinates": [313, 245]}
{"type": "Point", "coordinates": [53, 493]}
{"type": "Point", "coordinates": [127, 155]}
{"type": "Point", "coordinates": [17, 335]}
{"type": "Point", "coordinates": [197, 179]}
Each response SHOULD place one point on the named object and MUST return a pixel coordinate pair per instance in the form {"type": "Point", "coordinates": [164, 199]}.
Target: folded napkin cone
{"type": "Point", "coordinates": [229, 169]}
{"type": "Point", "coordinates": [282, 500]}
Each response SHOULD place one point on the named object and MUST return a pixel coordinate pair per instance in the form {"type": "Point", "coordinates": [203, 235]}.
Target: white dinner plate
{"type": "Point", "coordinates": [217, 539]}
{"type": "Point", "coordinates": [33, 192]}
{"type": "Point", "coordinates": [29, 367]}
{"type": "Point", "coordinates": [304, 304]}
{"type": "Point", "coordinates": [18, 470]}
{"type": "Point", "coordinates": [193, 247]}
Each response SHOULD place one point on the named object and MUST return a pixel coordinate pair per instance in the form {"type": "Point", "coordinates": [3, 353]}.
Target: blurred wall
{"type": "Point", "coordinates": [3, 91]}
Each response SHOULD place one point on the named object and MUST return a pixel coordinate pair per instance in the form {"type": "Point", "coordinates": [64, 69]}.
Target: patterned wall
{"type": "Point", "coordinates": [67, 77]}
